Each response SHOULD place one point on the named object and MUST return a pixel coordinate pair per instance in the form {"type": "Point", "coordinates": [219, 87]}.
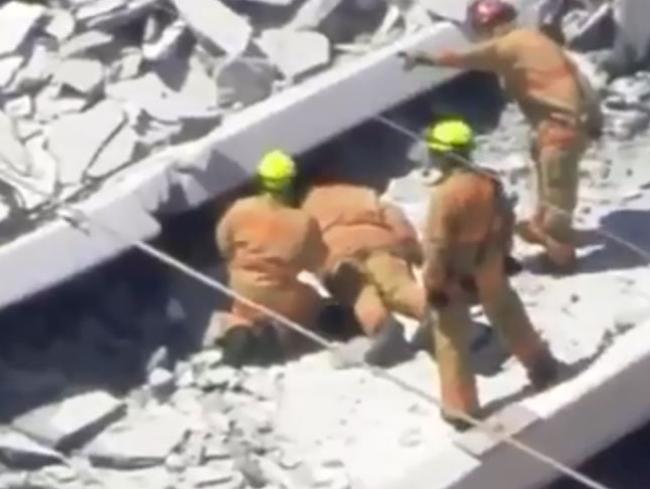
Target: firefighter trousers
{"type": "Point", "coordinates": [507, 315]}
{"type": "Point", "coordinates": [375, 286]}
{"type": "Point", "coordinates": [556, 152]}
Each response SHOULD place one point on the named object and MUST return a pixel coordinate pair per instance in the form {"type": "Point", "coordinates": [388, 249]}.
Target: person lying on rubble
{"type": "Point", "coordinates": [372, 248]}
{"type": "Point", "coordinates": [557, 102]}
{"type": "Point", "coordinates": [466, 240]}
{"type": "Point", "coordinates": [266, 243]}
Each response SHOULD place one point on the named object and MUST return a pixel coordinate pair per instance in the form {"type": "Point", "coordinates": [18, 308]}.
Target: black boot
{"type": "Point", "coordinates": [458, 424]}
{"type": "Point", "coordinates": [268, 344]}
{"type": "Point", "coordinates": [423, 337]}
{"type": "Point", "coordinates": [389, 346]}
{"type": "Point", "coordinates": [240, 346]}
{"type": "Point", "coordinates": [545, 373]}
{"type": "Point", "coordinates": [512, 266]}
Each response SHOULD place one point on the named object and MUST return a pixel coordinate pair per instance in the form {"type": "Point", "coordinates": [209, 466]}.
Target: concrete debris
{"type": "Point", "coordinates": [60, 25]}
{"type": "Point", "coordinates": [71, 421]}
{"type": "Point", "coordinates": [244, 82]}
{"type": "Point", "coordinates": [295, 53]}
{"type": "Point", "coordinates": [18, 450]}
{"type": "Point", "coordinates": [115, 154]}
{"type": "Point", "coordinates": [312, 13]}
{"type": "Point", "coordinates": [161, 382]}
{"type": "Point", "coordinates": [89, 10]}
{"type": "Point", "coordinates": [12, 152]}
{"type": "Point", "coordinates": [17, 19]}
{"type": "Point", "coordinates": [279, 3]}
{"type": "Point", "coordinates": [8, 68]}
{"type": "Point", "coordinates": [77, 140]}
{"type": "Point", "coordinates": [156, 477]}
{"type": "Point", "coordinates": [19, 107]}
{"type": "Point", "coordinates": [129, 64]}
{"type": "Point", "coordinates": [85, 42]}
{"type": "Point", "coordinates": [205, 477]}
{"type": "Point", "coordinates": [216, 23]}
{"type": "Point", "coordinates": [38, 69]}
{"type": "Point", "coordinates": [82, 75]}
{"type": "Point", "coordinates": [140, 440]}
{"type": "Point", "coordinates": [43, 175]}
{"type": "Point", "coordinates": [162, 103]}
{"type": "Point", "coordinates": [160, 41]}
{"type": "Point", "coordinates": [54, 476]}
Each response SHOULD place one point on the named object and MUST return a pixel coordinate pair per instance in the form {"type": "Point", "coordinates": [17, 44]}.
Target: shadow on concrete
{"type": "Point", "coordinates": [628, 225]}
{"type": "Point", "coordinates": [567, 371]}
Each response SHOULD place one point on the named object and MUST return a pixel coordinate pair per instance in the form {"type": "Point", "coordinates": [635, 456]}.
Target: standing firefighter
{"type": "Point", "coordinates": [266, 244]}
{"type": "Point", "coordinates": [371, 250]}
{"type": "Point", "coordinates": [555, 100]}
{"type": "Point", "coordinates": [466, 241]}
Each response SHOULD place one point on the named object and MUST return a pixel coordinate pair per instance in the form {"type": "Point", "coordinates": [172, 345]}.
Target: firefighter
{"type": "Point", "coordinates": [466, 241]}
{"type": "Point", "coordinates": [266, 243]}
{"type": "Point", "coordinates": [372, 248]}
{"type": "Point", "coordinates": [556, 101]}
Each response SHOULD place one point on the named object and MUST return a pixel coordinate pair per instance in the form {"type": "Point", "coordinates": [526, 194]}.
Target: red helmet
{"type": "Point", "coordinates": [484, 14]}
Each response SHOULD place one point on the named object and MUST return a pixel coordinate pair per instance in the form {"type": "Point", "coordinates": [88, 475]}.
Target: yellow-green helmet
{"type": "Point", "coordinates": [450, 135]}
{"type": "Point", "coordinates": [276, 171]}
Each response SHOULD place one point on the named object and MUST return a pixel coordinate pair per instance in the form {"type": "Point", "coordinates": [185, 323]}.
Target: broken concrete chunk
{"type": "Point", "coordinates": [89, 10]}
{"type": "Point", "coordinates": [283, 3]}
{"type": "Point", "coordinates": [140, 441]}
{"type": "Point", "coordinates": [312, 13]}
{"type": "Point", "coordinates": [158, 100]}
{"type": "Point", "coordinates": [8, 68]}
{"type": "Point", "coordinates": [19, 451]}
{"type": "Point", "coordinates": [129, 64]}
{"type": "Point", "coordinates": [17, 107]}
{"type": "Point", "coordinates": [76, 140]}
{"type": "Point", "coordinates": [160, 41]}
{"type": "Point", "coordinates": [72, 420]}
{"type": "Point", "coordinates": [295, 52]}
{"type": "Point", "coordinates": [205, 477]}
{"type": "Point", "coordinates": [44, 174]}
{"type": "Point", "coordinates": [37, 70]}
{"type": "Point", "coordinates": [213, 21]}
{"type": "Point", "coordinates": [16, 21]}
{"type": "Point", "coordinates": [244, 82]}
{"type": "Point", "coordinates": [60, 25]}
{"type": "Point", "coordinates": [82, 75]}
{"type": "Point", "coordinates": [12, 152]}
{"type": "Point", "coordinates": [115, 154]}
{"type": "Point", "coordinates": [161, 382]}
{"type": "Point", "coordinates": [85, 42]}
{"type": "Point", "coordinates": [153, 478]}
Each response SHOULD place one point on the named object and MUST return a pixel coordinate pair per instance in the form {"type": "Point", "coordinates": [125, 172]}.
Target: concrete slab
{"type": "Point", "coordinates": [66, 423]}
{"type": "Point", "coordinates": [295, 53]}
{"type": "Point", "coordinates": [140, 440]}
{"type": "Point", "coordinates": [20, 451]}
{"type": "Point", "coordinates": [17, 19]}
{"type": "Point", "coordinates": [82, 75]}
{"type": "Point", "coordinates": [77, 140]}
{"type": "Point", "coordinates": [116, 153]}
{"type": "Point", "coordinates": [13, 154]}
{"type": "Point", "coordinates": [213, 21]}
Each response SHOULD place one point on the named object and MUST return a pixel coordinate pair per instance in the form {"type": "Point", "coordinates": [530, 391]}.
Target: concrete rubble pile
{"type": "Point", "coordinates": [89, 87]}
{"type": "Point", "coordinates": [614, 56]}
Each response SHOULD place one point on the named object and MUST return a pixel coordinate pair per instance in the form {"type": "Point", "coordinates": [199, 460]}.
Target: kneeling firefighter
{"type": "Point", "coordinates": [266, 243]}
{"type": "Point", "coordinates": [372, 248]}
{"type": "Point", "coordinates": [466, 243]}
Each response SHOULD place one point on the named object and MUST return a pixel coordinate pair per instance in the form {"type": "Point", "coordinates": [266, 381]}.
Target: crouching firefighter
{"type": "Point", "coordinates": [372, 248]}
{"type": "Point", "coordinates": [266, 243]}
{"type": "Point", "coordinates": [466, 241]}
